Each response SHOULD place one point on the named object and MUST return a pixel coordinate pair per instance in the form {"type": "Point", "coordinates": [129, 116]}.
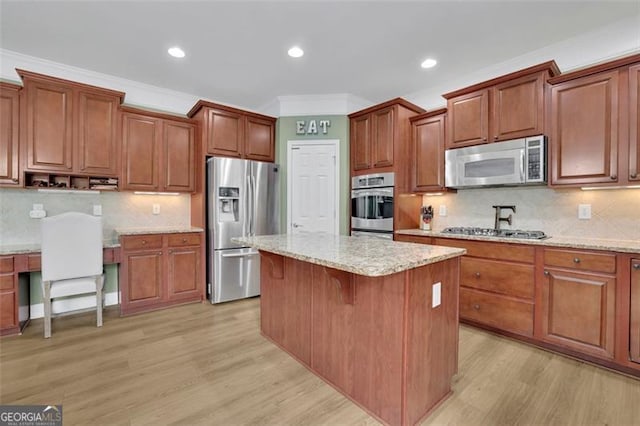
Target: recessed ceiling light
{"type": "Point", "coordinates": [295, 52]}
{"type": "Point", "coordinates": [429, 63]}
{"type": "Point", "coordinates": [176, 52]}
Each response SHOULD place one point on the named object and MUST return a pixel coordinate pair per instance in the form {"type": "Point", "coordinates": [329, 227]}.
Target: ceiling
{"type": "Point", "coordinates": [236, 50]}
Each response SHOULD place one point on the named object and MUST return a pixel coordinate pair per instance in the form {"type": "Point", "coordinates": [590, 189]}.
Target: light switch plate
{"type": "Point", "coordinates": [443, 210]}
{"type": "Point", "coordinates": [97, 210]}
{"type": "Point", "coordinates": [436, 294]}
{"type": "Point", "coordinates": [156, 209]}
{"type": "Point", "coordinates": [584, 211]}
{"type": "Point", "coordinates": [38, 207]}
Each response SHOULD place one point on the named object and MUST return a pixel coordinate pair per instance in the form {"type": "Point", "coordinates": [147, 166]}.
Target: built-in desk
{"type": "Point", "coordinates": [15, 262]}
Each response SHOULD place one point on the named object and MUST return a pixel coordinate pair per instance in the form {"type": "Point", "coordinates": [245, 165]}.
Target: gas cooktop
{"type": "Point", "coordinates": [501, 233]}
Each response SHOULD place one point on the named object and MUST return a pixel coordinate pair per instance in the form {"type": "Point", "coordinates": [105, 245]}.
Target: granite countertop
{"type": "Point", "coordinates": [359, 255]}
{"type": "Point", "coordinates": [35, 247]}
{"type": "Point", "coordinates": [622, 246]}
{"type": "Point", "coordinates": [156, 230]}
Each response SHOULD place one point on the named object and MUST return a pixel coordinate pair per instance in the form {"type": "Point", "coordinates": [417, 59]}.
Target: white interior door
{"type": "Point", "coordinates": [312, 186]}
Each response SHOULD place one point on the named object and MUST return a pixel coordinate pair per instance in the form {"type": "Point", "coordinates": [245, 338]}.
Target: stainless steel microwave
{"type": "Point", "coordinates": [509, 163]}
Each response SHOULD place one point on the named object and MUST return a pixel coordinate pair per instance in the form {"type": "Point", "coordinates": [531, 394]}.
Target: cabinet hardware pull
{"type": "Point", "coordinates": [184, 240]}
{"type": "Point", "coordinates": [476, 307]}
{"type": "Point", "coordinates": [546, 273]}
{"type": "Point", "coordinates": [478, 274]}
{"type": "Point", "coordinates": [633, 175]}
{"type": "Point", "coordinates": [16, 179]}
{"type": "Point", "coordinates": [636, 266]}
{"type": "Point", "coordinates": [484, 139]}
{"type": "Point", "coordinates": [170, 251]}
{"type": "Point", "coordinates": [496, 137]}
{"type": "Point", "coordinates": [160, 253]}
{"type": "Point", "coordinates": [614, 177]}
{"type": "Point", "coordinates": [576, 260]}
{"type": "Point", "coordinates": [144, 242]}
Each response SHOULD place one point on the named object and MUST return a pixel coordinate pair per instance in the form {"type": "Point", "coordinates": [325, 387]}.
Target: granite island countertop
{"type": "Point", "coordinates": [371, 257]}
{"type": "Point", "coordinates": [621, 246]}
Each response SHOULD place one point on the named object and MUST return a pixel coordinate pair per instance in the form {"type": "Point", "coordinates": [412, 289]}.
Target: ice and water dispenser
{"type": "Point", "coordinates": [228, 199]}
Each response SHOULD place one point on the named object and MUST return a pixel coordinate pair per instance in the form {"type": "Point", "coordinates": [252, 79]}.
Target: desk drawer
{"type": "Point", "coordinates": [142, 242]}
{"type": "Point", "coordinates": [581, 260]}
{"type": "Point", "coordinates": [500, 312]}
{"type": "Point", "coordinates": [6, 264]}
{"type": "Point", "coordinates": [187, 239]}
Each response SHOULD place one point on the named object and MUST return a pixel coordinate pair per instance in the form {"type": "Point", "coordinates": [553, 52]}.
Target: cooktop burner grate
{"type": "Point", "coordinates": [502, 233]}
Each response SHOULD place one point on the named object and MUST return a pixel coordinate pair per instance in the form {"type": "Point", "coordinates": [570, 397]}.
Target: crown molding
{"type": "Point", "coordinates": [301, 105]}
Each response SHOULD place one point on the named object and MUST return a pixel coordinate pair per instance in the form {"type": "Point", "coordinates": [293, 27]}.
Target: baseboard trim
{"type": "Point", "coordinates": [73, 304]}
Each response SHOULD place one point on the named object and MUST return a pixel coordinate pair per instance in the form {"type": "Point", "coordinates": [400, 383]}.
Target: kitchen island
{"type": "Point", "coordinates": [376, 319]}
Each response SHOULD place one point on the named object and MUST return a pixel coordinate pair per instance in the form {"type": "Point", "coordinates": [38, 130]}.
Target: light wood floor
{"type": "Point", "coordinates": [203, 364]}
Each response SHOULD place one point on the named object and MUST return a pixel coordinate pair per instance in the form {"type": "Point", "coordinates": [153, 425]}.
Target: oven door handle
{"type": "Point", "coordinates": [372, 193]}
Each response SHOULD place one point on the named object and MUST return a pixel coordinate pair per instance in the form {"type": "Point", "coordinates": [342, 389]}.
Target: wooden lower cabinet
{"type": "Point", "coordinates": [635, 310]}
{"type": "Point", "coordinates": [160, 270]}
{"type": "Point", "coordinates": [504, 313]}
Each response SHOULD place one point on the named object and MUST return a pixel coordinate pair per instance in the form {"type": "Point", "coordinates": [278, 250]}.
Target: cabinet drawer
{"type": "Point", "coordinates": [6, 282]}
{"type": "Point", "coordinates": [490, 250]}
{"type": "Point", "coordinates": [412, 239]}
{"type": "Point", "coordinates": [582, 260]}
{"type": "Point", "coordinates": [34, 262]}
{"type": "Point", "coordinates": [512, 279]}
{"type": "Point", "coordinates": [6, 264]}
{"type": "Point", "coordinates": [142, 242]}
{"type": "Point", "coordinates": [496, 311]}
{"type": "Point", "coordinates": [179, 240]}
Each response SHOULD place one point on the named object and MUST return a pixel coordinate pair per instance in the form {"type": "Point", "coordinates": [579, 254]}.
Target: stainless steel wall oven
{"type": "Point", "coordinates": [372, 204]}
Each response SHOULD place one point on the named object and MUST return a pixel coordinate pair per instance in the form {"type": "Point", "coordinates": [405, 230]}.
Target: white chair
{"type": "Point", "coordinates": [71, 260]}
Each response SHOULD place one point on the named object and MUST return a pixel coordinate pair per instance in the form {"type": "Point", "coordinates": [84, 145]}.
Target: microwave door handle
{"type": "Point", "coordinates": [522, 167]}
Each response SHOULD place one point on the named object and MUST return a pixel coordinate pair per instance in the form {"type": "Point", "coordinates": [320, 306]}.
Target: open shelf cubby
{"type": "Point", "coordinates": [65, 181]}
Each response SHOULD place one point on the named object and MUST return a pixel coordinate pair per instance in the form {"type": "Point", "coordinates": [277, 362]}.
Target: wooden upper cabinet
{"type": "Point", "coordinates": [231, 132]}
{"type": "Point", "coordinates": [49, 126]}
{"type": "Point", "coordinates": [584, 130]}
{"type": "Point", "coordinates": [141, 152]}
{"type": "Point", "coordinates": [427, 145]}
{"type": "Point", "coordinates": [507, 107]}
{"type": "Point", "coordinates": [260, 141]}
{"type": "Point", "coordinates": [158, 152]}
{"type": "Point", "coordinates": [382, 137]}
{"type": "Point", "coordinates": [9, 134]}
{"type": "Point", "coordinates": [179, 145]}
{"type": "Point", "coordinates": [634, 123]}
{"type": "Point", "coordinates": [468, 119]}
{"type": "Point", "coordinates": [70, 127]}
{"type": "Point", "coordinates": [360, 146]}
{"type": "Point", "coordinates": [518, 108]}
{"type": "Point", "coordinates": [98, 140]}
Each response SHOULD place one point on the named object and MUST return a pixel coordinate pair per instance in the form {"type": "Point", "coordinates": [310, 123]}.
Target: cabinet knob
{"type": "Point", "coordinates": [477, 274]}
{"type": "Point", "coordinates": [546, 273]}
{"type": "Point", "coordinates": [144, 242]}
{"type": "Point", "coordinates": [633, 175]}
{"type": "Point", "coordinates": [184, 240]}
{"type": "Point", "coordinates": [636, 266]}
{"type": "Point", "coordinates": [476, 307]}
{"type": "Point", "coordinates": [159, 253]}
{"type": "Point", "coordinates": [170, 251]}
{"type": "Point", "coordinates": [576, 260]}
{"type": "Point", "coordinates": [496, 137]}
{"type": "Point", "coordinates": [614, 177]}
{"type": "Point", "coordinates": [484, 139]}
{"type": "Point", "coordinates": [14, 180]}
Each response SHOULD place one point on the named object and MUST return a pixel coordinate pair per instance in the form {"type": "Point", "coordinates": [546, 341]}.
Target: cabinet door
{"type": "Point", "coordinates": [518, 108]}
{"type": "Point", "coordinates": [382, 137]}
{"type": "Point", "coordinates": [428, 153]}
{"type": "Point", "coordinates": [468, 118]}
{"type": "Point", "coordinates": [584, 130]}
{"type": "Point", "coordinates": [8, 304]}
{"type": "Point", "coordinates": [578, 311]}
{"type": "Point", "coordinates": [141, 280]}
{"type": "Point", "coordinates": [361, 142]}
{"type": "Point", "coordinates": [179, 146]}
{"type": "Point", "coordinates": [635, 310]}
{"type": "Point", "coordinates": [225, 133]}
{"type": "Point", "coordinates": [140, 152]}
{"type": "Point", "coordinates": [49, 126]}
{"type": "Point", "coordinates": [97, 127]}
{"type": "Point", "coordinates": [184, 273]}
{"type": "Point", "coordinates": [259, 141]}
{"type": "Point", "coordinates": [9, 132]}
{"type": "Point", "coordinates": [634, 123]}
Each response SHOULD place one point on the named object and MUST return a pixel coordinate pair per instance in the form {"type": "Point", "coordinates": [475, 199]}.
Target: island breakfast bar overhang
{"type": "Point", "coordinates": [363, 314]}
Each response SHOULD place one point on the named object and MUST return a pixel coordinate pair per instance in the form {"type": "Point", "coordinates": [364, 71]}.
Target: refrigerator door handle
{"type": "Point", "coordinates": [253, 205]}
{"type": "Point", "coordinates": [240, 254]}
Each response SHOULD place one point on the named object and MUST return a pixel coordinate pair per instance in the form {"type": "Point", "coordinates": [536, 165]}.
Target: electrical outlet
{"type": "Point", "coordinates": [443, 210]}
{"type": "Point", "coordinates": [37, 214]}
{"type": "Point", "coordinates": [156, 209]}
{"type": "Point", "coordinates": [584, 211]}
{"type": "Point", "coordinates": [97, 210]}
{"type": "Point", "coordinates": [436, 294]}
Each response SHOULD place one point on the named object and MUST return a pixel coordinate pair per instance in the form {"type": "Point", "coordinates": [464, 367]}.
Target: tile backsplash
{"type": "Point", "coordinates": [119, 210]}
{"type": "Point", "coordinates": [615, 214]}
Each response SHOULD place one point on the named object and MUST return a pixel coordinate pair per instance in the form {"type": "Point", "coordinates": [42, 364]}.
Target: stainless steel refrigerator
{"type": "Point", "coordinates": [242, 200]}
